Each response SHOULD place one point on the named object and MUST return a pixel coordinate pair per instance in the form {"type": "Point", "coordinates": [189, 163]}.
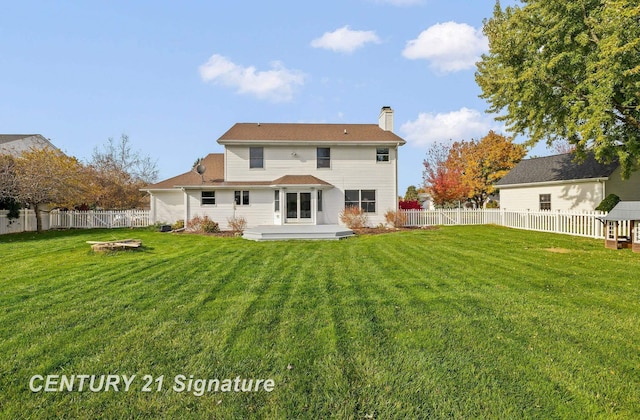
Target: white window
{"type": "Point", "coordinates": [319, 200]}
{"type": "Point", "coordinates": [323, 157]}
{"type": "Point", "coordinates": [382, 154]}
{"type": "Point", "coordinates": [276, 200]}
{"type": "Point", "coordinates": [241, 198]}
{"type": "Point", "coordinates": [208, 198]}
{"type": "Point", "coordinates": [365, 199]}
{"type": "Point", "coordinates": [256, 157]}
{"type": "Point", "coordinates": [545, 201]}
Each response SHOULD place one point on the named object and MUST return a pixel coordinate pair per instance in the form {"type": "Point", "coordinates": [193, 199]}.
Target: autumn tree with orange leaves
{"type": "Point", "coordinates": [442, 176]}
{"type": "Point", "coordinates": [484, 162]}
{"type": "Point", "coordinates": [467, 170]}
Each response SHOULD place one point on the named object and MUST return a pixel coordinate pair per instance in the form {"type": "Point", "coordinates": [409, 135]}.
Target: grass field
{"type": "Point", "coordinates": [466, 322]}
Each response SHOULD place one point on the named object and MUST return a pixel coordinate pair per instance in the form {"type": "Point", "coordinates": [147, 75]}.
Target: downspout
{"type": "Point", "coordinates": [186, 206]}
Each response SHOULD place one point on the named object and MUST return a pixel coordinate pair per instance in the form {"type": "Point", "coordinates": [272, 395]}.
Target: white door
{"type": "Point", "coordinates": [298, 207]}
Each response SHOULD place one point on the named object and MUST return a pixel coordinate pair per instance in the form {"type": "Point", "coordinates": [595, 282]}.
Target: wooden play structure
{"type": "Point", "coordinates": [622, 226]}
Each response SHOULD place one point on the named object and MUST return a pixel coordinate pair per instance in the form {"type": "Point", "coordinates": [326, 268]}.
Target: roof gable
{"type": "Point", "coordinates": [557, 168]}
{"type": "Point", "coordinates": [316, 133]}
{"type": "Point", "coordinates": [214, 172]}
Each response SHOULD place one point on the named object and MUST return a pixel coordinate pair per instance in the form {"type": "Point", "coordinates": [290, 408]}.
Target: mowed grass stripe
{"type": "Point", "coordinates": [455, 322]}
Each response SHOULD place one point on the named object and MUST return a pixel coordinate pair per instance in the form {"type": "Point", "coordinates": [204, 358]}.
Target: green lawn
{"type": "Point", "coordinates": [460, 322]}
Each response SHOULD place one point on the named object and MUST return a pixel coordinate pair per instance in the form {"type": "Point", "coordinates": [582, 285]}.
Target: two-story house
{"type": "Point", "coordinates": [281, 174]}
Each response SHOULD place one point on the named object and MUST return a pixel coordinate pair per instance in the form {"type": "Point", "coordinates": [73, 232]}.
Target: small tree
{"type": "Point", "coordinates": [608, 203]}
{"type": "Point", "coordinates": [411, 194]}
{"type": "Point", "coordinates": [48, 177]}
{"type": "Point", "coordinates": [442, 175]}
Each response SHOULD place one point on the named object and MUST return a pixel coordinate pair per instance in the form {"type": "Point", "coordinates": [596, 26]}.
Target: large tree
{"type": "Point", "coordinates": [118, 174]}
{"type": "Point", "coordinates": [484, 162]}
{"type": "Point", "coordinates": [567, 70]}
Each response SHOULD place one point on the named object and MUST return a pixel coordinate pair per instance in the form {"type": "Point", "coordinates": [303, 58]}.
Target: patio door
{"type": "Point", "coordinates": [298, 207]}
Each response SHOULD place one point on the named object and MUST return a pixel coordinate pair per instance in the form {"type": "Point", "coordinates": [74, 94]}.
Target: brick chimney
{"type": "Point", "coordinates": [385, 120]}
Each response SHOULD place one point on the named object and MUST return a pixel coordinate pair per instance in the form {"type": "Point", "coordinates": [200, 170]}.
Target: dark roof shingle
{"type": "Point", "coordinates": [556, 168]}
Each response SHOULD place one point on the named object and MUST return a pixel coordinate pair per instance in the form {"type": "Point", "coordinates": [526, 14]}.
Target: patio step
{"type": "Point", "coordinates": [305, 232]}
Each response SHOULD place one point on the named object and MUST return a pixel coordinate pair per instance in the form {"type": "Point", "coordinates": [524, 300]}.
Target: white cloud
{"type": "Point", "coordinates": [277, 84]}
{"type": "Point", "coordinates": [463, 124]}
{"type": "Point", "coordinates": [345, 40]}
{"type": "Point", "coordinates": [448, 46]}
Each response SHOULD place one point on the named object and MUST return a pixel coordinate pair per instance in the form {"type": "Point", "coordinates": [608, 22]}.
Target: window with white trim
{"type": "Point", "coordinates": [208, 198]}
{"type": "Point", "coordinates": [276, 200]}
{"type": "Point", "coordinates": [323, 157]}
{"type": "Point", "coordinates": [545, 201]}
{"type": "Point", "coordinates": [256, 157]}
{"type": "Point", "coordinates": [319, 200]}
{"type": "Point", "coordinates": [241, 198]}
{"type": "Point", "coordinates": [365, 199]}
{"type": "Point", "coordinates": [382, 154]}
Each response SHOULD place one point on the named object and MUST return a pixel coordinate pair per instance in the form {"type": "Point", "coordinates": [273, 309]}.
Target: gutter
{"type": "Point", "coordinates": [539, 184]}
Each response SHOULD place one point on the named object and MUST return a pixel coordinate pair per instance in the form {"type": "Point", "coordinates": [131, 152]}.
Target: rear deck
{"type": "Point", "coordinates": [287, 232]}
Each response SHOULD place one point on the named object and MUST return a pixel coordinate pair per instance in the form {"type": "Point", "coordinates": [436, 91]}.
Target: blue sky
{"type": "Point", "coordinates": [174, 76]}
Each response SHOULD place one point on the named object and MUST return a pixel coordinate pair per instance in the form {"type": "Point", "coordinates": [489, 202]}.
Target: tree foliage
{"type": "Point", "coordinates": [467, 170]}
{"type": "Point", "coordinates": [118, 173]}
{"type": "Point", "coordinates": [567, 70]}
{"type": "Point", "coordinates": [484, 162]}
{"type": "Point", "coordinates": [48, 177]}
{"type": "Point", "coordinates": [442, 176]}
{"type": "Point", "coordinates": [411, 194]}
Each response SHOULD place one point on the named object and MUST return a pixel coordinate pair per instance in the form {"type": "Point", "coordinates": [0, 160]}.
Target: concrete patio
{"type": "Point", "coordinates": [287, 232]}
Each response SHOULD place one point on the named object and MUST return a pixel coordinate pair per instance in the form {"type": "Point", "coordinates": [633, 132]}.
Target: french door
{"type": "Point", "coordinates": [298, 207]}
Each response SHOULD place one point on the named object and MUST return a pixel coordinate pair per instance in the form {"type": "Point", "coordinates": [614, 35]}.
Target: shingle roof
{"type": "Point", "coordinates": [556, 168]}
{"type": "Point", "coordinates": [291, 132]}
{"type": "Point", "coordinates": [8, 138]}
{"type": "Point", "coordinates": [214, 177]}
{"type": "Point", "coordinates": [299, 180]}
{"type": "Point", "coordinates": [624, 210]}
{"type": "Point", "coordinates": [214, 172]}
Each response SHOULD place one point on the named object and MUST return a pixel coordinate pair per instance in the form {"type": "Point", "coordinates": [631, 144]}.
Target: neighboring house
{"type": "Point", "coordinates": [15, 144]}
{"type": "Point", "coordinates": [275, 174]}
{"type": "Point", "coordinates": [559, 183]}
{"type": "Point", "coordinates": [426, 201]}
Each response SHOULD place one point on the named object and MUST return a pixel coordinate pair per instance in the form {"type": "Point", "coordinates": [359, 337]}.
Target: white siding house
{"type": "Point", "coordinates": [276, 174]}
{"type": "Point", "coordinates": [560, 183]}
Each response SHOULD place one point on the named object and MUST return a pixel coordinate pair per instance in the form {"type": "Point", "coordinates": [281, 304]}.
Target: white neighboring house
{"type": "Point", "coordinates": [276, 174]}
{"type": "Point", "coordinates": [559, 183]}
{"type": "Point", "coordinates": [15, 144]}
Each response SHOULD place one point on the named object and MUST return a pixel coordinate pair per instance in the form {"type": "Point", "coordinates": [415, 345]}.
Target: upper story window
{"type": "Point", "coordinates": [256, 157]}
{"type": "Point", "coordinates": [323, 157]}
{"type": "Point", "coordinates": [208, 198]}
{"type": "Point", "coordinates": [382, 154]}
{"type": "Point", "coordinates": [545, 201]}
{"type": "Point", "coordinates": [241, 198]}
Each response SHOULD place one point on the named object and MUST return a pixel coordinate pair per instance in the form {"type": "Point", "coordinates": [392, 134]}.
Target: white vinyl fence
{"type": "Point", "coordinates": [57, 219]}
{"type": "Point", "coordinates": [98, 219]}
{"type": "Point", "coordinates": [571, 223]}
